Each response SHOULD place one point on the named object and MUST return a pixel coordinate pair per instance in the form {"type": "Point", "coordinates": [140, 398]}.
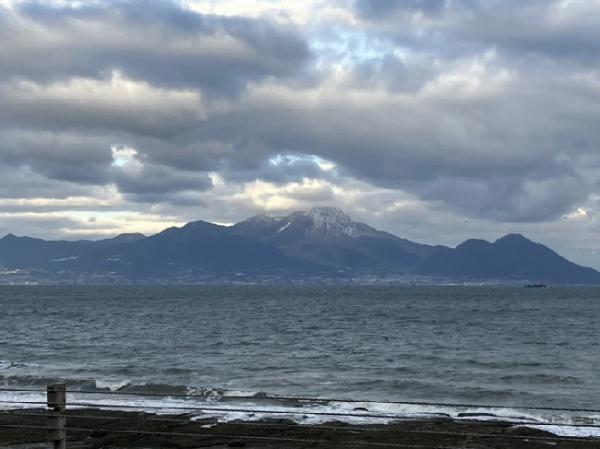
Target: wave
{"type": "Point", "coordinates": [6, 365]}
{"type": "Point", "coordinates": [540, 378]}
{"type": "Point", "coordinates": [512, 364]}
{"type": "Point", "coordinates": [577, 431]}
{"type": "Point", "coordinates": [33, 381]}
{"type": "Point", "coordinates": [111, 385]}
{"type": "Point", "coordinates": [234, 405]}
{"type": "Point", "coordinates": [122, 386]}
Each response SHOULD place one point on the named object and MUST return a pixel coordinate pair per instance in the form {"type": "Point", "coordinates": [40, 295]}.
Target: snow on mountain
{"type": "Point", "coordinates": [327, 237]}
{"type": "Point", "coordinates": [333, 221]}
{"type": "Point", "coordinates": [322, 221]}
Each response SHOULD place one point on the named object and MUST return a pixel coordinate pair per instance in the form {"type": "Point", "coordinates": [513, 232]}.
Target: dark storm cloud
{"type": "Point", "coordinates": [549, 28]}
{"type": "Point", "coordinates": [72, 159]}
{"type": "Point", "coordinates": [155, 179]}
{"type": "Point", "coordinates": [509, 199]}
{"type": "Point", "coordinates": [69, 157]}
{"type": "Point", "coordinates": [23, 183]}
{"type": "Point", "coordinates": [111, 107]}
{"type": "Point", "coordinates": [156, 41]}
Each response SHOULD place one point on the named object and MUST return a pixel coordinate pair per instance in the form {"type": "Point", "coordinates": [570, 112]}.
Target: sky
{"type": "Point", "coordinates": [436, 120]}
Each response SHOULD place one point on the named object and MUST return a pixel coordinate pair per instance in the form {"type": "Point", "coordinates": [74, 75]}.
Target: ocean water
{"type": "Point", "coordinates": [237, 347]}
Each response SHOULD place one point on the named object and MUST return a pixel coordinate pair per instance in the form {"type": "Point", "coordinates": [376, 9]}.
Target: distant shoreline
{"type": "Point", "coordinates": [284, 284]}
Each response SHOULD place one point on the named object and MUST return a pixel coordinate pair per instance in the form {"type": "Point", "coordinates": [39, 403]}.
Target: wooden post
{"type": "Point", "coordinates": [57, 404]}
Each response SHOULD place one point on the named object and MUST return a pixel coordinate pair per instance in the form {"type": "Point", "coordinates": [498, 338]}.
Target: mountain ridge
{"type": "Point", "coordinates": [319, 242]}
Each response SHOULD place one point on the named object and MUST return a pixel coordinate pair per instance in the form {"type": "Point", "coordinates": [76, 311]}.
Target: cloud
{"type": "Point", "coordinates": [112, 105]}
{"type": "Point", "coordinates": [154, 183]}
{"type": "Point", "coordinates": [22, 184]}
{"type": "Point", "coordinates": [413, 115]}
{"type": "Point", "coordinates": [550, 29]}
{"type": "Point", "coordinates": [379, 9]}
{"type": "Point", "coordinates": [466, 126]}
{"type": "Point", "coordinates": [34, 224]}
{"type": "Point", "coordinates": [65, 156]}
{"type": "Point", "coordinates": [155, 41]}
{"type": "Point", "coordinates": [82, 226]}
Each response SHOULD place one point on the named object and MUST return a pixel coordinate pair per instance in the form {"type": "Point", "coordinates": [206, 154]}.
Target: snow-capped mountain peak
{"type": "Point", "coordinates": [318, 222]}
{"type": "Point", "coordinates": [333, 221]}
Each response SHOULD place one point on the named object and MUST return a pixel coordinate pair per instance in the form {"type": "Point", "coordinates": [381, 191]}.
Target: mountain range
{"type": "Point", "coordinates": [321, 242]}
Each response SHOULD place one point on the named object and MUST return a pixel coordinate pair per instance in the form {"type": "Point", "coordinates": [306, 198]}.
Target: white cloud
{"type": "Point", "coordinates": [299, 12]}
{"type": "Point", "coordinates": [124, 156]}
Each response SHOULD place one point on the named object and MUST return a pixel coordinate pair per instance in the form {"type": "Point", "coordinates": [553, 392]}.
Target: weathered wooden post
{"type": "Point", "coordinates": [57, 404]}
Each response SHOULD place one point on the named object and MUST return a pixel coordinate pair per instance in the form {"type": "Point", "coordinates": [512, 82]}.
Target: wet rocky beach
{"type": "Point", "coordinates": [119, 430]}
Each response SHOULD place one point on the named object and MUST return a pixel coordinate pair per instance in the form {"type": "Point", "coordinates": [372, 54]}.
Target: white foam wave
{"type": "Point", "coordinates": [112, 385]}
{"type": "Point", "coordinates": [6, 364]}
{"type": "Point", "coordinates": [208, 394]}
{"type": "Point", "coordinates": [239, 394]}
{"type": "Point", "coordinates": [21, 400]}
{"type": "Point", "coordinates": [11, 364]}
{"type": "Point", "coordinates": [311, 413]}
{"type": "Point", "coordinates": [578, 431]}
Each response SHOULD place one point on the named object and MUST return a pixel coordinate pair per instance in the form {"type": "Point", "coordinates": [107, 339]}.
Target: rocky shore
{"type": "Point", "coordinates": [120, 430]}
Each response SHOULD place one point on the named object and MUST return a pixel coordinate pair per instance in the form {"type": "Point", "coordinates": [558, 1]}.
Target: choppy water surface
{"type": "Point", "coordinates": [506, 346]}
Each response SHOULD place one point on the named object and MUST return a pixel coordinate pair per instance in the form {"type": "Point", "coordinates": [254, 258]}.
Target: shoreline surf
{"type": "Point", "coordinates": [234, 406]}
{"type": "Point", "coordinates": [95, 428]}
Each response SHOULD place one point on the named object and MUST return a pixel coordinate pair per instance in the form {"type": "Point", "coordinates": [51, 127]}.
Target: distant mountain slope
{"type": "Point", "coordinates": [198, 245]}
{"type": "Point", "coordinates": [118, 240]}
{"type": "Point", "coordinates": [328, 237]}
{"type": "Point", "coordinates": [510, 257]}
{"type": "Point", "coordinates": [27, 252]}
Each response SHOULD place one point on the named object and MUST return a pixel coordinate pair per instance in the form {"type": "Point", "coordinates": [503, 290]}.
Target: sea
{"type": "Point", "coordinates": [361, 354]}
